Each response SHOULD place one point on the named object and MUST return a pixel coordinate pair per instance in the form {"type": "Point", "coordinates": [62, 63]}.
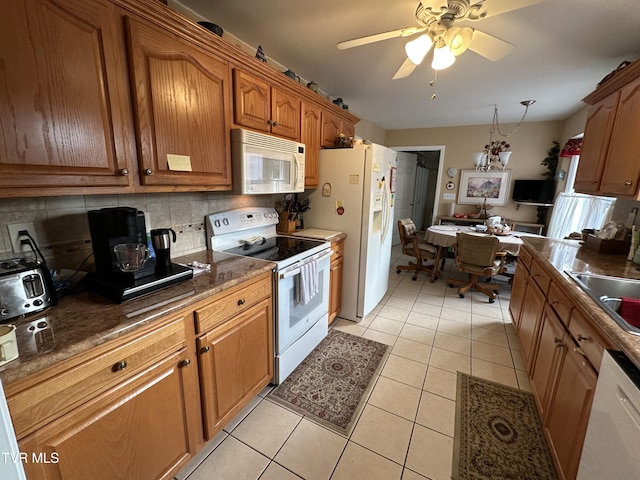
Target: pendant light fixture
{"type": "Point", "coordinates": [497, 152]}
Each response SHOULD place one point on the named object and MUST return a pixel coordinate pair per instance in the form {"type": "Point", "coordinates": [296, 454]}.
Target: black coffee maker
{"type": "Point", "coordinates": [126, 225]}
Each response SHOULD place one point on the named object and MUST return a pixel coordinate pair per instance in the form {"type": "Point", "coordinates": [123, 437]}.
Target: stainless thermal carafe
{"type": "Point", "coordinates": [161, 242]}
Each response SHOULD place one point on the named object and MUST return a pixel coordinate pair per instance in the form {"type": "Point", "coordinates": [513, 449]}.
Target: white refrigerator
{"type": "Point", "coordinates": [355, 196]}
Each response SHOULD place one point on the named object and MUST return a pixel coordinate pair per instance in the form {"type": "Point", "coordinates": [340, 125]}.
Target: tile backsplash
{"type": "Point", "coordinates": [62, 227]}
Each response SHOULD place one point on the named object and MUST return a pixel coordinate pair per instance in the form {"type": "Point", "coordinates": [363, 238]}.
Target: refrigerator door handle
{"type": "Point", "coordinates": [386, 212]}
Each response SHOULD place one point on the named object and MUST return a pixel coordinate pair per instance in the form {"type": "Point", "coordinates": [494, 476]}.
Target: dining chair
{"type": "Point", "coordinates": [414, 245]}
{"type": "Point", "coordinates": [477, 256]}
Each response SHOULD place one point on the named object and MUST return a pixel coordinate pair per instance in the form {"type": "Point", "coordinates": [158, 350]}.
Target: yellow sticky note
{"type": "Point", "coordinates": [179, 163]}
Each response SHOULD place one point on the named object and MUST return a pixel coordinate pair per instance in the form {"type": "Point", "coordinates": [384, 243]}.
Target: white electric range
{"type": "Point", "coordinates": [300, 322]}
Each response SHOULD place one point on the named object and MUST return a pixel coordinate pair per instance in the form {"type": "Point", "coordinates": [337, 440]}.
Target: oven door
{"type": "Point", "coordinates": [293, 318]}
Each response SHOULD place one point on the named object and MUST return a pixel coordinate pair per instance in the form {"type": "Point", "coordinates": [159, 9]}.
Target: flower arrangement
{"type": "Point", "coordinates": [493, 150]}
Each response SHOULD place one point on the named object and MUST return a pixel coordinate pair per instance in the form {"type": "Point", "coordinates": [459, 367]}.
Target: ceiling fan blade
{"type": "Point", "coordinates": [491, 8]}
{"type": "Point", "coordinates": [405, 69]}
{"type": "Point", "coordinates": [489, 46]}
{"type": "Point", "coordinates": [403, 32]}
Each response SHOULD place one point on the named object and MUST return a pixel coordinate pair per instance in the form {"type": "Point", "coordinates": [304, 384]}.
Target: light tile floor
{"type": "Point", "coordinates": [406, 428]}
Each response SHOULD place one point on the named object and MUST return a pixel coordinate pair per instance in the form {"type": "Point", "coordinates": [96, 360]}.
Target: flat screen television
{"type": "Point", "coordinates": [534, 191]}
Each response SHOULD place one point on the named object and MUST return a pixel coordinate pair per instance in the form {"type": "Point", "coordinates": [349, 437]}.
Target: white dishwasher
{"type": "Point", "coordinates": [612, 441]}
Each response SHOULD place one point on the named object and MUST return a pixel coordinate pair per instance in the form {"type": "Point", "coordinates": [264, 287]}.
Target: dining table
{"type": "Point", "coordinates": [444, 237]}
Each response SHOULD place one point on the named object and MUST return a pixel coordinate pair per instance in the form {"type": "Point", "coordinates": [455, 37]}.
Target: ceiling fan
{"type": "Point", "coordinates": [436, 19]}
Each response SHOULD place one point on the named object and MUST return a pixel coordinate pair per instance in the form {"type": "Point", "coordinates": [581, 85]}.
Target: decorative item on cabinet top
{"type": "Point", "coordinates": [212, 27]}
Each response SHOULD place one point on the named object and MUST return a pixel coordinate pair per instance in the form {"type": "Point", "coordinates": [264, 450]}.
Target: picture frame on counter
{"type": "Point", "coordinates": [492, 186]}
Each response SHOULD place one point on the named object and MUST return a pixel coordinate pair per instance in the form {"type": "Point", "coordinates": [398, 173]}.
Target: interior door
{"type": "Point", "coordinates": [420, 196]}
{"type": "Point", "coordinates": [403, 208]}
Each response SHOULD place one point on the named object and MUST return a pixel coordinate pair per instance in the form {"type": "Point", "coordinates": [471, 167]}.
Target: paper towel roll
{"type": "Point", "coordinates": [452, 209]}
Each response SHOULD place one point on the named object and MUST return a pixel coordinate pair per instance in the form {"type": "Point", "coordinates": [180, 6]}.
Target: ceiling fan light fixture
{"type": "Point", "coordinates": [418, 48]}
{"type": "Point", "coordinates": [442, 57]}
{"type": "Point", "coordinates": [458, 39]}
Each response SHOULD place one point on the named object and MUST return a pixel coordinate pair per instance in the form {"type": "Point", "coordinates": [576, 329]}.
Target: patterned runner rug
{"type": "Point", "coordinates": [330, 385]}
{"type": "Point", "coordinates": [498, 434]}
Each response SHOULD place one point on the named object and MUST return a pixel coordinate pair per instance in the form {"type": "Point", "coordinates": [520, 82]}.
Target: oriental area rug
{"type": "Point", "coordinates": [330, 386]}
{"type": "Point", "coordinates": [498, 434]}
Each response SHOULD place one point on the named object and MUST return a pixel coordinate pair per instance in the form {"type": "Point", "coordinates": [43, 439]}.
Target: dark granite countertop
{"type": "Point", "coordinates": [569, 255]}
{"type": "Point", "coordinates": [83, 321]}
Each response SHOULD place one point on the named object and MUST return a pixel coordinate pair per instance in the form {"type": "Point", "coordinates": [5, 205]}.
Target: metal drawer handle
{"type": "Point", "coordinates": [558, 342]}
{"type": "Point", "coordinates": [628, 183]}
{"type": "Point", "coordinates": [121, 365]}
{"type": "Point", "coordinates": [581, 338]}
{"type": "Point", "coordinates": [205, 349]}
{"type": "Point", "coordinates": [124, 172]}
{"type": "Point", "coordinates": [184, 363]}
{"type": "Point", "coordinates": [148, 172]}
{"type": "Point", "coordinates": [579, 351]}
{"type": "Point", "coordinates": [242, 301]}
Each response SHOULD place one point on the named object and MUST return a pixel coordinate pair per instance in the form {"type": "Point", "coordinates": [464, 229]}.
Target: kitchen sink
{"type": "Point", "coordinates": [607, 292]}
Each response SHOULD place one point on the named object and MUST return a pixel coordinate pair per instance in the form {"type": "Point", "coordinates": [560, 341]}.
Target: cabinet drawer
{"type": "Point", "coordinates": [37, 405]}
{"type": "Point", "coordinates": [540, 277]}
{"type": "Point", "coordinates": [587, 338]}
{"type": "Point", "coordinates": [231, 302]}
{"type": "Point", "coordinates": [525, 258]}
{"type": "Point", "coordinates": [560, 303]}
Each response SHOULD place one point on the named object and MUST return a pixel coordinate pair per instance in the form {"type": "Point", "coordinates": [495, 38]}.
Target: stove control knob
{"type": "Point", "coordinates": [225, 221]}
{"type": "Point", "coordinates": [216, 222]}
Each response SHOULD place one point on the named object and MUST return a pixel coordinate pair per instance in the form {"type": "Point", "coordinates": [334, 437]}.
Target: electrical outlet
{"type": "Point", "coordinates": [15, 237]}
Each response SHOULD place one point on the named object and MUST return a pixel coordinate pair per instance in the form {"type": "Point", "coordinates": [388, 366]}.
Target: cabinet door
{"type": "Point", "coordinates": [518, 287]}
{"type": "Point", "coordinates": [622, 171]}
{"type": "Point", "coordinates": [136, 430]}
{"type": "Point", "coordinates": [530, 317]}
{"type": "Point", "coordinates": [181, 98]}
{"type": "Point", "coordinates": [335, 288]}
{"type": "Point", "coordinates": [548, 359]}
{"type": "Point", "coordinates": [349, 129]}
{"type": "Point", "coordinates": [566, 423]}
{"type": "Point", "coordinates": [331, 128]}
{"type": "Point", "coordinates": [310, 131]}
{"type": "Point", "coordinates": [285, 114]}
{"type": "Point", "coordinates": [236, 362]}
{"type": "Point", "coordinates": [597, 134]}
{"type": "Point", "coordinates": [251, 101]}
{"type": "Point", "coordinates": [64, 99]}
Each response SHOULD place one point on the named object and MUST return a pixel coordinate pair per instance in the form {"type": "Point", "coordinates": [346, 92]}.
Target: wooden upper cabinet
{"type": "Point", "coordinates": [182, 96]}
{"type": "Point", "coordinates": [597, 134]}
{"type": "Point", "coordinates": [64, 99]}
{"type": "Point", "coordinates": [622, 170]}
{"type": "Point", "coordinates": [310, 130]}
{"type": "Point", "coordinates": [333, 126]}
{"type": "Point", "coordinates": [260, 106]}
{"type": "Point", "coordinates": [285, 114]}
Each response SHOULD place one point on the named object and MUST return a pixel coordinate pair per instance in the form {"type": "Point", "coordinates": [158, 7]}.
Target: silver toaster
{"type": "Point", "coordinates": [25, 287]}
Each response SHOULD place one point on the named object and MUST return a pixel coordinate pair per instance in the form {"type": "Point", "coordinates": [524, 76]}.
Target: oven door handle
{"type": "Point", "coordinates": [296, 271]}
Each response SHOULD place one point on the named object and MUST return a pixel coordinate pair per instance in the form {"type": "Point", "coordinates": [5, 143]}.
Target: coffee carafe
{"type": "Point", "coordinates": [161, 242]}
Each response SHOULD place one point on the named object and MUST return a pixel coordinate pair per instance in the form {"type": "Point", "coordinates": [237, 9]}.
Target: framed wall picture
{"type": "Point", "coordinates": [493, 186]}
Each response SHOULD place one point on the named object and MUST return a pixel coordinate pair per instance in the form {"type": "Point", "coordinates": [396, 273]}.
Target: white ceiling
{"type": "Point", "coordinates": [563, 49]}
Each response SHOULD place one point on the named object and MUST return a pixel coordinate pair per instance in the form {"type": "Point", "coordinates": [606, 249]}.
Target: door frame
{"type": "Point", "coordinates": [441, 149]}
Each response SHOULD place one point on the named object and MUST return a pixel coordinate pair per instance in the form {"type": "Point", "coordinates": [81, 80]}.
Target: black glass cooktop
{"type": "Point", "coordinates": [275, 249]}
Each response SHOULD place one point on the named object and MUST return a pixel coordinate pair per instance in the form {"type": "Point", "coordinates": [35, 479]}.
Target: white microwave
{"type": "Point", "coordinates": [264, 164]}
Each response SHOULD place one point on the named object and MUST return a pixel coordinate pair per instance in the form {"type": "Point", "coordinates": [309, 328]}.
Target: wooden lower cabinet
{"type": "Point", "coordinates": [336, 270]}
{"type": "Point", "coordinates": [566, 423]}
{"type": "Point", "coordinates": [138, 429]}
{"type": "Point", "coordinates": [529, 324]}
{"type": "Point", "coordinates": [548, 359]}
{"type": "Point", "coordinates": [236, 362]}
{"type": "Point", "coordinates": [518, 287]}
